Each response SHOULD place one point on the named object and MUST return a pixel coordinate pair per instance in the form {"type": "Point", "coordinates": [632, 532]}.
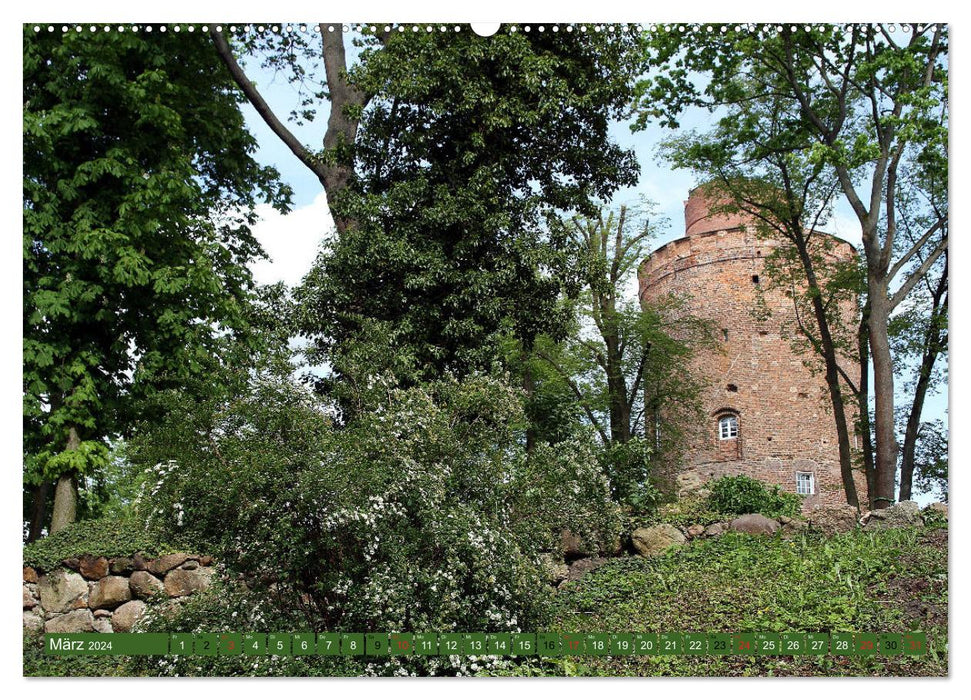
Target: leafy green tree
{"type": "Point", "coordinates": [625, 363]}
{"type": "Point", "coordinates": [458, 151]}
{"type": "Point", "coordinates": [139, 189]}
{"type": "Point", "coordinates": [930, 458]}
{"type": "Point", "coordinates": [872, 101]}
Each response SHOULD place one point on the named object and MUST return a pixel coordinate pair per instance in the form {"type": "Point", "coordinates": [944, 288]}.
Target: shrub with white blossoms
{"type": "Point", "coordinates": [425, 514]}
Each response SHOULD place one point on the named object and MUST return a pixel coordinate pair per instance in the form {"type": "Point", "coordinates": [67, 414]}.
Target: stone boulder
{"type": "Point", "coordinates": [121, 565]}
{"type": "Point", "coordinates": [60, 590]}
{"type": "Point", "coordinates": [903, 514]}
{"type": "Point", "coordinates": [102, 625]}
{"type": "Point", "coordinates": [654, 541]}
{"type": "Point", "coordinates": [793, 526]}
{"type": "Point", "coordinates": [585, 566]}
{"type": "Point", "coordinates": [166, 563]}
{"type": "Point", "coordinates": [754, 524]}
{"type": "Point", "coordinates": [127, 615]}
{"type": "Point", "coordinates": [109, 592]}
{"type": "Point", "coordinates": [832, 520]}
{"type": "Point", "coordinates": [716, 530]}
{"type": "Point", "coordinates": [33, 622]}
{"type": "Point", "coordinates": [182, 583]}
{"type": "Point", "coordinates": [74, 621]}
{"type": "Point", "coordinates": [144, 585]}
{"type": "Point", "coordinates": [29, 600]}
{"type": "Point", "coordinates": [30, 575]}
{"type": "Point", "coordinates": [696, 531]}
{"type": "Point", "coordinates": [938, 509]}
{"type": "Point", "coordinates": [93, 568]}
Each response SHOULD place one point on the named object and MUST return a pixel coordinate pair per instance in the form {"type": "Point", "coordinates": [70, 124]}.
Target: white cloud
{"type": "Point", "coordinates": [292, 241]}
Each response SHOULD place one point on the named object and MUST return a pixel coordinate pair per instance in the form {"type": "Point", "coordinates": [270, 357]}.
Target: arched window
{"type": "Point", "coordinates": [728, 427]}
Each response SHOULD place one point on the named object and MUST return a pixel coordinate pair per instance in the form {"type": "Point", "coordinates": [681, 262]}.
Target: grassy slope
{"type": "Point", "coordinates": [891, 581]}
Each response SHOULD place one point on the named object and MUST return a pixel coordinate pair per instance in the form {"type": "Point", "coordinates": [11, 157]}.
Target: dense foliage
{"type": "Point", "coordinates": [738, 495]}
{"type": "Point", "coordinates": [103, 537]}
{"type": "Point", "coordinates": [885, 581]}
{"type": "Point", "coordinates": [424, 513]}
{"type": "Point", "coordinates": [139, 188]}
{"type": "Point", "coordinates": [466, 148]}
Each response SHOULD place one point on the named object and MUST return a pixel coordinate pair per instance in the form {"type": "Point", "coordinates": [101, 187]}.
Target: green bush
{"type": "Point", "coordinates": [934, 518]}
{"type": "Point", "coordinates": [738, 495]}
{"type": "Point", "coordinates": [690, 510]}
{"type": "Point", "coordinates": [104, 537]}
{"type": "Point", "coordinates": [628, 467]}
{"type": "Point", "coordinates": [424, 513]}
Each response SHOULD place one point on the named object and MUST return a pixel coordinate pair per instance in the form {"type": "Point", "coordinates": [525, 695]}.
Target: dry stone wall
{"type": "Point", "coordinates": [97, 594]}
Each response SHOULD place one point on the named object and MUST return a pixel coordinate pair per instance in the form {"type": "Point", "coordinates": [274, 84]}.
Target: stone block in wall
{"type": "Point", "coordinates": [167, 562]}
{"type": "Point", "coordinates": [144, 585]}
{"type": "Point", "coordinates": [33, 622]}
{"type": "Point", "coordinates": [74, 621]}
{"type": "Point", "coordinates": [109, 592]}
{"type": "Point", "coordinates": [121, 565]}
{"type": "Point", "coordinates": [60, 589]}
{"type": "Point", "coordinates": [102, 625]}
{"type": "Point", "coordinates": [127, 615]}
{"type": "Point", "coordinates": [30, 575]}
{"type": "Point", "coordinates": [182, 583]}
{"type": "Point", "coordinates": [93, 568]}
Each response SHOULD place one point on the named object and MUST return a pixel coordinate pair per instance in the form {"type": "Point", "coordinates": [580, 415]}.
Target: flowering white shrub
{"type": "Point", "coordinates": [425, 514]}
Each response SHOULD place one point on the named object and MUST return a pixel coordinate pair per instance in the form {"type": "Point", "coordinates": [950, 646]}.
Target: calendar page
{"type": "Point", "coordinates": [524, 349]}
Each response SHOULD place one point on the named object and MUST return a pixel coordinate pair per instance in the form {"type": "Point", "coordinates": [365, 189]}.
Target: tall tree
{"type": "Point", "coordinates": [462, 147]}
{"type": "Point", "coordinates": [873, 100]}
{"type": "Point", "coordinates": [139, 189]}
{"type": "Point", "coordinates": [627, 365]}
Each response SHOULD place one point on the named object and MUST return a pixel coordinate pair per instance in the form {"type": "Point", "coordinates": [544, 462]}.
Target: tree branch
{"type": "Point", "coordinates": [904, 290]}
{"type": "Point", "coordinates": [263, 109]}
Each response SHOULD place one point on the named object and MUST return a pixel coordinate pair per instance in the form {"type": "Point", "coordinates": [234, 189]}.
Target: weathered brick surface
{"type": "Point", "coordinates": [784, 415]}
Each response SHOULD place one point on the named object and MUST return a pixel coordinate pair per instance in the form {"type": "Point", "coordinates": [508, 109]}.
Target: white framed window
{"type": "Point", "coordinates": [728, 427]}
{"type": "Point", "coordinates": [805, 483]}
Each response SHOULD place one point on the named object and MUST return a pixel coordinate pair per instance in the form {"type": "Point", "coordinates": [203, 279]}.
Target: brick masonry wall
{"type": "Point", "coordinates": [785, 420]}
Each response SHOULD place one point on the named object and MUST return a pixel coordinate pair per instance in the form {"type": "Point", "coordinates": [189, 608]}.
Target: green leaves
{"type": "Point", "coordinates": [465, 151]}
{"type": "Point", "coordinates": [129, 158]}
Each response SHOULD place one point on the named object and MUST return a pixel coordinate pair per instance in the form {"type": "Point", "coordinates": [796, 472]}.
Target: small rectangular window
{"type": "Point", "coordinates": [728, 427]}
{"type": "Point", "coordinates": [805, 484]}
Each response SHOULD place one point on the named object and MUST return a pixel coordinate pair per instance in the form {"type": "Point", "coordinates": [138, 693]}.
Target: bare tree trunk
{"type": "Point", "coordinates": [827, 348]}
{"type": "Point", "coordinates": [38, 510]}
{"type": "Point", "coordinates": [863, 400]}
{"type": "Point", "coordinates": [883, 386]}
{"type": "Point", "coordinates": [934, 341]}
{"type": "Point", "coordinates": [335, 169]}
{"type": "Point", "coordinates": [66, 492]}
{"type": "Point", "coordinates": [617, 389]}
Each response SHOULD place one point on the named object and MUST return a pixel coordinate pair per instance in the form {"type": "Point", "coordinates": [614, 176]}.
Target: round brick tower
{"type": "Point", "coordinates": [769, 416]}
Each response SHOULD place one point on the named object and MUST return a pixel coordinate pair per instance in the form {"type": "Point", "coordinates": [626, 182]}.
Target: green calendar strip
{"type": "Point", "coordinates": [492, 644]}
